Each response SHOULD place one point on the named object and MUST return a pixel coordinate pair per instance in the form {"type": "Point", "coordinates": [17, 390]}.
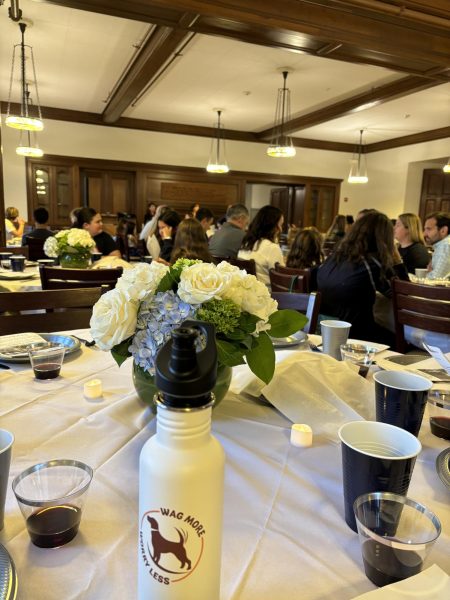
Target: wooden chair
{"type": "Point", "coordinates": [35, 247]}
{"type": "Point", "coordinates": [248, 265]}
{"type": "Point", "coordinates": [64, 309]}
{"type": "Point", "coordinates": [423, 306]}
{"type": "Point", "coordinates": [23, 250]}
{"type": "Point", "coordinates": [308, 304]}
{"type": "Point", "coordinates": [283, 282]}
{"type": "Point", "coordinates": [305, 273]}
{"type": "Point", "coordinates": [56, 278]}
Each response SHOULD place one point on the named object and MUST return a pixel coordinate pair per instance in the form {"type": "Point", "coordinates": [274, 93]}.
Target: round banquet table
{"type": "Point", "coordinates": [284, 535]}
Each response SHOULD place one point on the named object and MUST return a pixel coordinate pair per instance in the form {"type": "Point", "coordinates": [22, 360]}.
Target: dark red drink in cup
{"type": "Point", "coordinates": [46, 359]}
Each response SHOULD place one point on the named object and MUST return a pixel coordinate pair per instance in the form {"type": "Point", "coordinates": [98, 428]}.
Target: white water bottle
{"type": "Point", "coordinates": [181, 477]}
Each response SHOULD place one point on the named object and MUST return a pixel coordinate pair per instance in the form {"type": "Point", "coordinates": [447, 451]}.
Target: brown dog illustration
{"type": "Point", "coordinates": [163, 546]}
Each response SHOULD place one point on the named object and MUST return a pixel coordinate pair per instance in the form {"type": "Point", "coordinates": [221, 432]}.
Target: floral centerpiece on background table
{"type": "Point", "coordinates": [137, 317]}
{"type": "Point", "coordinates": [72, 246]}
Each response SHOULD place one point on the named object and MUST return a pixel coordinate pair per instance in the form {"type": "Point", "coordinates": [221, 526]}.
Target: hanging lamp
{"type": "Point", "coordinates": [28, 144]}
{"type": "Point", "coordinates": [30, 117]}
{"type": "Point", "coordinates": [281, 145]}
{"type": "Point", "coordinates": [217, 159]}
{"type": "Point", "coordinates": [358, 164]}
{"type": "Point", "coordinates": [446, 168]}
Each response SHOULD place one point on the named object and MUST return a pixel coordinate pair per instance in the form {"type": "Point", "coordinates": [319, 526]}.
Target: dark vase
{"type": "Point", "coordinates": [146, 388]}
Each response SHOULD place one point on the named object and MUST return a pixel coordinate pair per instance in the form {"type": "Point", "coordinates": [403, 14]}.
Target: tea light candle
{"type": "Point", "coordinates": [301, 435]}
{"type": "Point", "coordinates": [93, 389]}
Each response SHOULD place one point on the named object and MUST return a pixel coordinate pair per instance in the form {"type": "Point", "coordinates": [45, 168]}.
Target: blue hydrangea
{"type": "Point", "coordinates": [157, 316]}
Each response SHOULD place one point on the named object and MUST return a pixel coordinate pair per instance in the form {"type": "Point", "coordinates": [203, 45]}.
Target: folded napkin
{"type": "Point", "coordinates": [431, 584]}
{"type": "Point", "coordinates": [315, 389]}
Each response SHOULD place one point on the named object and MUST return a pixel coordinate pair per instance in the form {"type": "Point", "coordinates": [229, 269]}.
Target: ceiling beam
{"type": "Point", "coordinates": [376, 96]}
{"type": "Point", "coordinates": [155, 54]}
{"type": "Point", "coordinates": [345, 29]}
{"type": "Point", "coordinates": [408, 140]}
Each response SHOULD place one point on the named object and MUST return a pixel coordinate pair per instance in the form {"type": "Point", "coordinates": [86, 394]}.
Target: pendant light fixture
{"type": "Point", "coordinates": [446, 168]}
{"type": "Point", "coordinates": [28, 144]}
{"type": "Point", "coordinates": [30, 117]}
{"type": "Point", "coordinates": [358, 165]}
{"type": "Point", "coordinates": [281, 145]}
{"type": "Point", "coordinates": [217, 158]}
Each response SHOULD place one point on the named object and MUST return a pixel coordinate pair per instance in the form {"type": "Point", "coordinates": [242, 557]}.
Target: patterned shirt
{"type": "Point", "coordinates": [440, 263]}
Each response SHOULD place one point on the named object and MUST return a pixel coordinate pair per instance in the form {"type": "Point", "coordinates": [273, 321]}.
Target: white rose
{"type": "Point", "coordinates": [201, 282]}
{"type": "Point", "coordinates": [113, 319]}
{"type": "Point", "coordinates": [142, 280]}
{"type": "Point", "coordinates": [51, 247]}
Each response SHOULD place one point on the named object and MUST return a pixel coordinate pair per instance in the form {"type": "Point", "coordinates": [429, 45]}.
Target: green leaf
{"type": "Point", "coordinates": [261, 358]}
{"type": "Point", "coordinates": [247, 322]}
{"type": "Point", "coordinates": [286, 322]}
{"type": "Point", "coordinates": [168, 282]}
{"type": "Point", "coordinates": [229, 354]}
{"type": "Point", "coordinates": [120, 351]}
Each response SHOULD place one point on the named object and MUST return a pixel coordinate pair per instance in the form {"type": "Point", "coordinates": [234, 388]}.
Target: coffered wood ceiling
{"type": "Point", "coordinates": [383, 66]}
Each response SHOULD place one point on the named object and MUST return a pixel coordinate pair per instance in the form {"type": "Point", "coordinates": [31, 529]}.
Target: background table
{"type": "Point", "coordinates": [284, 534]}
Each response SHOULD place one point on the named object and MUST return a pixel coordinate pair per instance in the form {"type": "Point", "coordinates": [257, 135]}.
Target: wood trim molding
{"type": "Point", "coordinates": [407, 140]}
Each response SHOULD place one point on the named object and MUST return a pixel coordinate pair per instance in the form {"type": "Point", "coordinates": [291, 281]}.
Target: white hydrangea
{"type": "Point", "coordinates": [80, 238]}
{"type": "Point", "coordinates": [251, 295]}
{"type": "Point", "coordinates": [51, 247]}
{"type": "Point", "coordinates": [141, 280]}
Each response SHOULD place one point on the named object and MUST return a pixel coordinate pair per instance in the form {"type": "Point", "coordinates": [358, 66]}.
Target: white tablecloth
{"type": "Point", "coordinates": [20, 285]}
{"type": "Point", "coordinates": [284, 532]}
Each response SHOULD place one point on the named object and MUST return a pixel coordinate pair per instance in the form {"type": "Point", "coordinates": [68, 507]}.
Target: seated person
{"type": "Point", "coordinates": [364, 262]}
{"type": "Point", "coordinates": [260, 243]}
{"type": "Point", "coordinates": [190, 242]}
{"type": "Point", "coordinates": [167, 226]}
{"type": "Point", "coordinates": [227, 241]}
{"type": "Point", "coordinates": [206, 218]}
{"type": "Point", "coordinates": [14, 225]}
{"type": "Point", "coordinates": [436, 232]}
{"type": "Point", "coordinates": [412, 249]}
{"type": "Point", "coordinates": [89, 219]}
{"type": "Point", "coordinates": [41, 229]}
{"type": "Point", "coordinates": [306, 250]}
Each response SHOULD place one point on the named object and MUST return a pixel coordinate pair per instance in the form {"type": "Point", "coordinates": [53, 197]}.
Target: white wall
{"type": "Point", "coordinates": [392, 183]}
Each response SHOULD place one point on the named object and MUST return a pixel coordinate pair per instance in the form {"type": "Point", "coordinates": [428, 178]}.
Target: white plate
{"type": "Point", "coordinates": [443, 467]}
{"type": "Point", "coordinates": [17, 275]}
{"type": "Point", "coordinates": [379, 347]}
{"type": "Point", "coordinates": [292, 340]}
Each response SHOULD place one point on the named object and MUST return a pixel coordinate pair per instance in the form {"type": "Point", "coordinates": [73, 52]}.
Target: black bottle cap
{"type": "Point", "coordinates": [185, 377]}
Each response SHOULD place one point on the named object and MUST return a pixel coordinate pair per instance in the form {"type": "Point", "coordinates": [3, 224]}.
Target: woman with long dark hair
{"type": "Point", "coordinates": [167, 227]}
{"type": "Point", "coordinates": [306, 250]}
{"type": "Point", "coordinates": [90, 220]}
{"type": "Point", "coordinates": [191, 242]}
{"type": "Point", "coordinates": [260, 243]}
{"type": "Point", "coordinates": [364, 262]}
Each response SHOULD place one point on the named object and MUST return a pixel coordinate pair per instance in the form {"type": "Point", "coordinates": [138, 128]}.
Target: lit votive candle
{"type": "Point", "coordinates": [301, 435]}
{"type": "Point", "coordinates": [93, 389]}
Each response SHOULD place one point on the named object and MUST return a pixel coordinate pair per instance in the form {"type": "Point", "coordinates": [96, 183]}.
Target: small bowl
{"type": "Point", "coordinates": [439, 411]}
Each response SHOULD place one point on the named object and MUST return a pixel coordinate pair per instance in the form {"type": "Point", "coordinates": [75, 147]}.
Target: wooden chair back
{"type": "Point", "coordinates": [308, 304]}
{"type": "Point", "coordinates": [283, 282]}
{"type": "Point", "coordinates": [55, 278]}
{"type": "Point", "coordinates": [35, 248]}
{"type": "Point", "coordinates": [422, 306]}
{"type": "Point", "coordinates": [248, 265]}
{"type": "Point", "coordinates": [23, 250]}
{"type": "Point", "coordinates": [305, 273]}
{"type": "Point", "coordinates": [59, 310]}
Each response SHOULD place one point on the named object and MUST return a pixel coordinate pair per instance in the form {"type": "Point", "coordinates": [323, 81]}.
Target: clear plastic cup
{"type": "Point", "coordinates": [396, 535]}
{"type": "Point", "coordinates": [46, 359]}
{"type": "Point", "coordinates": [51, 496]}
{"type": "Point", "coordinates": [439, 411]}
{"type": "Point", "coordinates": [361, 355]}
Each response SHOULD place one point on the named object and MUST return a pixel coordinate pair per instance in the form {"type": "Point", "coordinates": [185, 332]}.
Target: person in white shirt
{"type": "Point", "coordinates": [261, 242]}
{"type": "Point", "coordinates": [436, 231]}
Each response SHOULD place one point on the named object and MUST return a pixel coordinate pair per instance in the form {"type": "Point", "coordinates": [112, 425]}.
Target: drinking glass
{"type": "Point", "coordinates": [46, 359]}
{"type": "Point", "coordinates": [360, 355]}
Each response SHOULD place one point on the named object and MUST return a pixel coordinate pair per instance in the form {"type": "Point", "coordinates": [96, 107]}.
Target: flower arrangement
{"type": "Point", "coordinates": [137, 317]}
{"type": "Point", "coordinates": [69, 241]}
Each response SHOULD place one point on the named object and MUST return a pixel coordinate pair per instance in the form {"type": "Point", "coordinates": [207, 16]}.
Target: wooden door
{"type": "Point", "coordinates": [108, 191]}
{"type": "Point", "coordinates": [298, 206]}
{"type": "Point", "coordinates": [52, 188]}
{"type": "Point", "coordinates": [282, 199]}
{"type": "Point", "coordinates": [435, 192]}
{"type": "Point", "coordinates": [320, 206]}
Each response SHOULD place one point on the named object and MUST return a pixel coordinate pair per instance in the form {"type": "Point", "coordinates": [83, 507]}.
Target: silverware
{"type": "Point", "coordinates": [2, 366]}
{"type": "Point", "coordinates": [314, 348]}
{"type": "Point", "coordinates": [87, 343]}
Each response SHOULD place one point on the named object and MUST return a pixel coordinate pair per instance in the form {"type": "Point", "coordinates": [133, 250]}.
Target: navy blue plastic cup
{"type": "Point", "coordinates": [17, 262]}
{"type": "Point", "coordinates": [376, 457]}
{"type": "Point", "coordinates": [400, 399]}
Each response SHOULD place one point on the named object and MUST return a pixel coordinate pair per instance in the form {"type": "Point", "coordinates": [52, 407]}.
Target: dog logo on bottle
{"type": "Point", "coordinates": [171, 544]}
